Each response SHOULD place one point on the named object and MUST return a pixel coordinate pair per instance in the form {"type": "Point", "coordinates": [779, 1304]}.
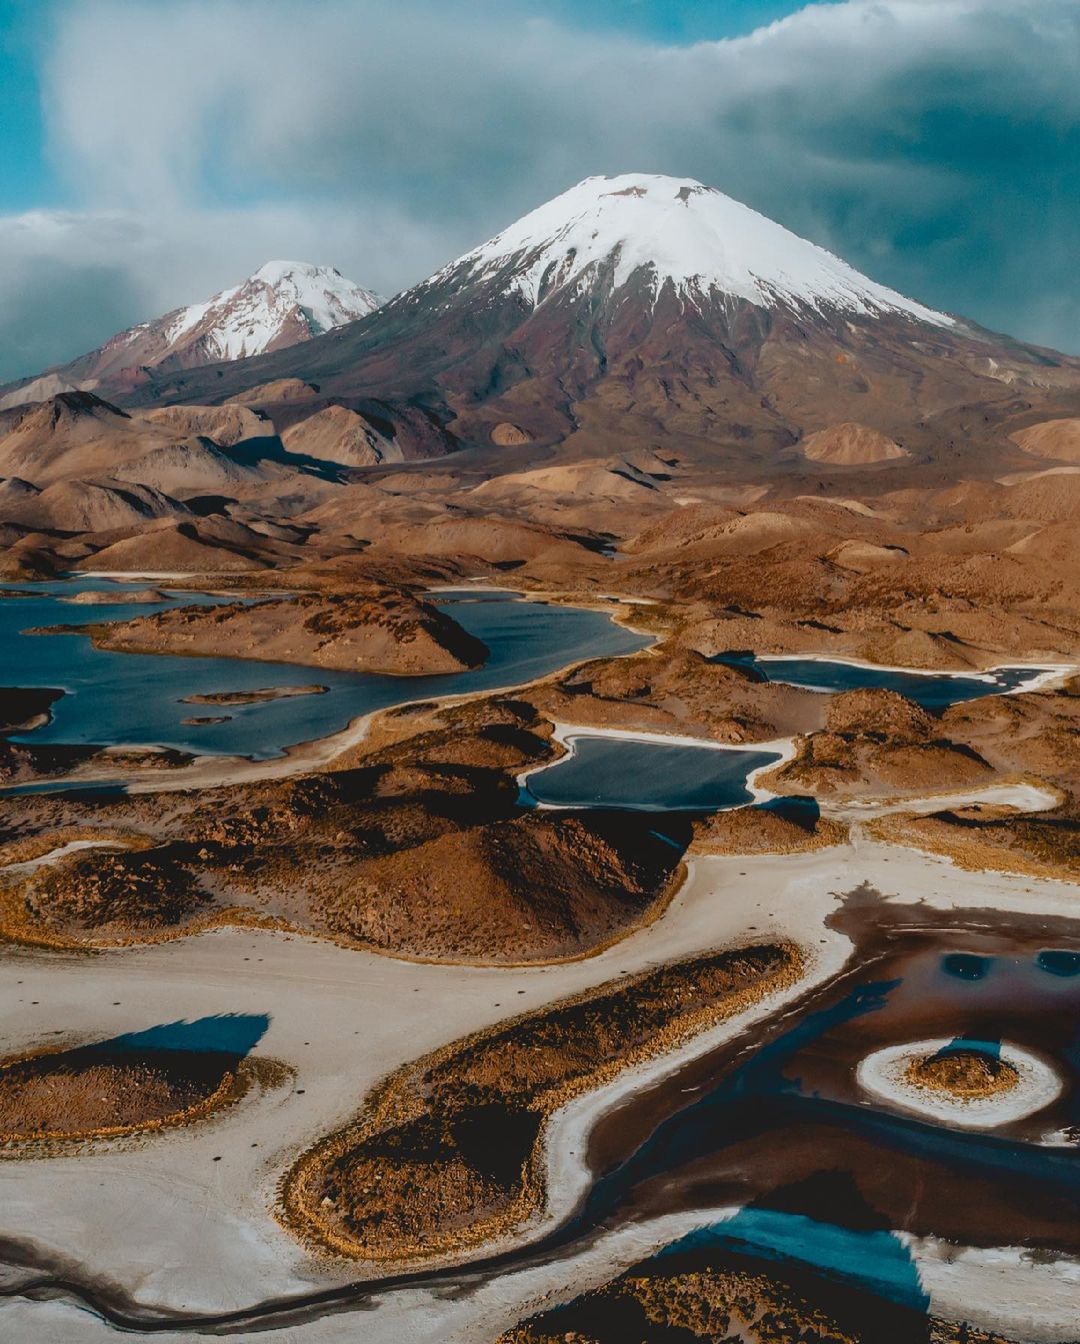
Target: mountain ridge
{"type": "Point", "coordinates": [641, 309]}
{"type": "Point", "coordinates": [279, 305]}
{"type": "Point", "coordinates": [599, 344]}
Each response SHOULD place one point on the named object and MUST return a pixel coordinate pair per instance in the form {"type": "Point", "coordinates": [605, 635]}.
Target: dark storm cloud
{"type": "Point", "coordinates": [934, 143]}
{"type": "Point", "coordinates": [56, 309]}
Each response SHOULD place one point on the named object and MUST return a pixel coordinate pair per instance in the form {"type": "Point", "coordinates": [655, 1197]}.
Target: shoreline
{"type": "Point", "coordinates": [219, 771]}
{"type": "Point", "coordinates": [1038, 1085]}
{"type": "Point", "coordinates": [207, 1241]}
{"type": "Point", "coordinates": [1044, 676]}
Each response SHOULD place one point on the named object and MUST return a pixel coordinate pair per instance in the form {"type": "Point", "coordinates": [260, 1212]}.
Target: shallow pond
{"type": "Point", "coordinates": [782, 1128]}
{"type": "Point", "coordinates": [935, 691]}
{"type": "Point", "coordinates": [134, 700]}
{"type": "Point", "coordinates": [647, 776]}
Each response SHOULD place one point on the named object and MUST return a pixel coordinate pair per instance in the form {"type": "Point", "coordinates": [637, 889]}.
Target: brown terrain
{"type": "Point", "coordinates": [419, 850]}
{"type": "Point", "coordinates": [967, 1074]}
{"type": "Point", "coordinates": [678, 690]}
{"type": "Point", "coordinates": [704, 1296]}
{"type": "Point", "coordinates": [876, 742]}
{"type": "Point", "coordinates": [979, 838]}
{"type": "Point", "coordinates": [447, 1152]}
{"type": "Point", "coordinates": [762, 830]}
{"type": "Point", "coordinates": [378, 630]}
{"type": "Point", "coordinates": [732, 476]}
{"type": "Point", "coordinates": [22, 709]}
{"type": "Point", "coordinates": [107, 1091]}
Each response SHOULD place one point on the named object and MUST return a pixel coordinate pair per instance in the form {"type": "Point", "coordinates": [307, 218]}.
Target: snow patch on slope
{"type": "Point", "coordinates": [679, 232]}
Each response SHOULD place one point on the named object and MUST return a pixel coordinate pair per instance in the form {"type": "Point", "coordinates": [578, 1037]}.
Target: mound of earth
{"type": "Point", "coordinates": [336, 434]}
{"type": "Point", "coordinates": [281, 389]}
{"type": "Point", "coordinates": [1036, 733]}
{"type": "Point", "coordinates": [762, 830]}
{"type": "Point", "coordinates": [380, 630]}
{"type": "Point", "coordinates": [225, 425]}
{"type": "Point", "coordinates": [986, 839]}
{"type": "Point", "coordinates": [879, 713]}
{"type": "Point", "coordinates": [533, 887]}
{"type": "Point", "coordinates": [167, 550]}
{"type": "Point", "coordinates": [97, 890]}
{"type": "Point", "coordinates": [96, 597]}
{"type": "Point", "coordinates": [26, 564]}
{"type": "Point", "coordinates": [965, 1073]}
{"type": "Point", "coordinates": [446, 1153]}
{"type": "Point", "coordinates": [679, 690]}
{"type": "Point", "coordinates": [419, 848]}
{"type": "Point", "coordinates": [75, 433]}
{"type": "Point", "coordinates": [491, 541]}
{"type": "Point", "coordinates": [507, 435]}
{"type": "Point", "coordinates": [851, 445]}
{"type": "Point", "coordinates": [713, 1295]}
{"type": "Point", "coordinates": [195, 466]}
{"type": "Point", "coordinates": [105, 1089]}
{"type": "Point", "coordinates": [97, 506]}
{"type": "Point", "coordinates": [876, 741]}
{"type": "Point", "coordinates": [1058, 440]}
{"type": "Point", "coordinates": [584, 481]}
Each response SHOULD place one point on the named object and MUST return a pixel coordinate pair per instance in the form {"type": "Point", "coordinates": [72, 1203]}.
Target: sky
{"type": "Point", "coordinates": [154, 151]}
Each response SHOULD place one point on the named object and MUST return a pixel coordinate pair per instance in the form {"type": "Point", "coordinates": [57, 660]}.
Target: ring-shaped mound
{"type": "Point", "coordinates": [955, 1082]}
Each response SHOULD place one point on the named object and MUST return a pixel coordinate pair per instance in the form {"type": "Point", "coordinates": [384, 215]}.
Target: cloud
{"type": "Point", "coordinates": [934, 145]}
{"type": "Point", "coordinates": [71, 279]}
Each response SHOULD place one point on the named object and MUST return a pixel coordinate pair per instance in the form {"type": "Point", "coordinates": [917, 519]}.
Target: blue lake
{"type": "Point", "coordinates": [134, 700]}
{"type": "Point", "coordinates": [647, 777]}
{"type": "Point", "coordinates": [934, 691]}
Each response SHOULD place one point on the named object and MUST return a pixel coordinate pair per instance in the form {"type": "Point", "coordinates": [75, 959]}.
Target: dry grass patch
{"type": "Point", "coordinates": [989, 840]}
{"type": "Point", "coordinates": [448, 1151]}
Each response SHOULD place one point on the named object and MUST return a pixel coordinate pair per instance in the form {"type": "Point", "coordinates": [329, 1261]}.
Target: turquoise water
{"type": "Point", "coordinates": [134, 700]}
{"type": "Point", "coordinates": [875, 1259]}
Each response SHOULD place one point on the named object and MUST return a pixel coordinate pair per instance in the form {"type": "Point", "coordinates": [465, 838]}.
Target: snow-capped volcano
{"type": "Point", "coordinates": [282, 304]}
{"type": "Point", "coordinates": [677, 232]}
{"type": "Point", "coordinates": [645, 310]}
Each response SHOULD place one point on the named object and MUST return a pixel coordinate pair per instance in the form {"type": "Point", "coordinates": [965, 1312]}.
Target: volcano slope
{"type": "Point", "coordinates": [642, 304]}
{"type": "Point", "coordinates": [636, 348]}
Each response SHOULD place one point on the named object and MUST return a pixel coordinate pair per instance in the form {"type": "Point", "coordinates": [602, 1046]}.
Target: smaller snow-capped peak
{"type": "Point", "coordinates": [677, 231]}
{"type": "Point", "coordinates": [322, 291]}
{"type": "Point", "coordinates": [282, 303]}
